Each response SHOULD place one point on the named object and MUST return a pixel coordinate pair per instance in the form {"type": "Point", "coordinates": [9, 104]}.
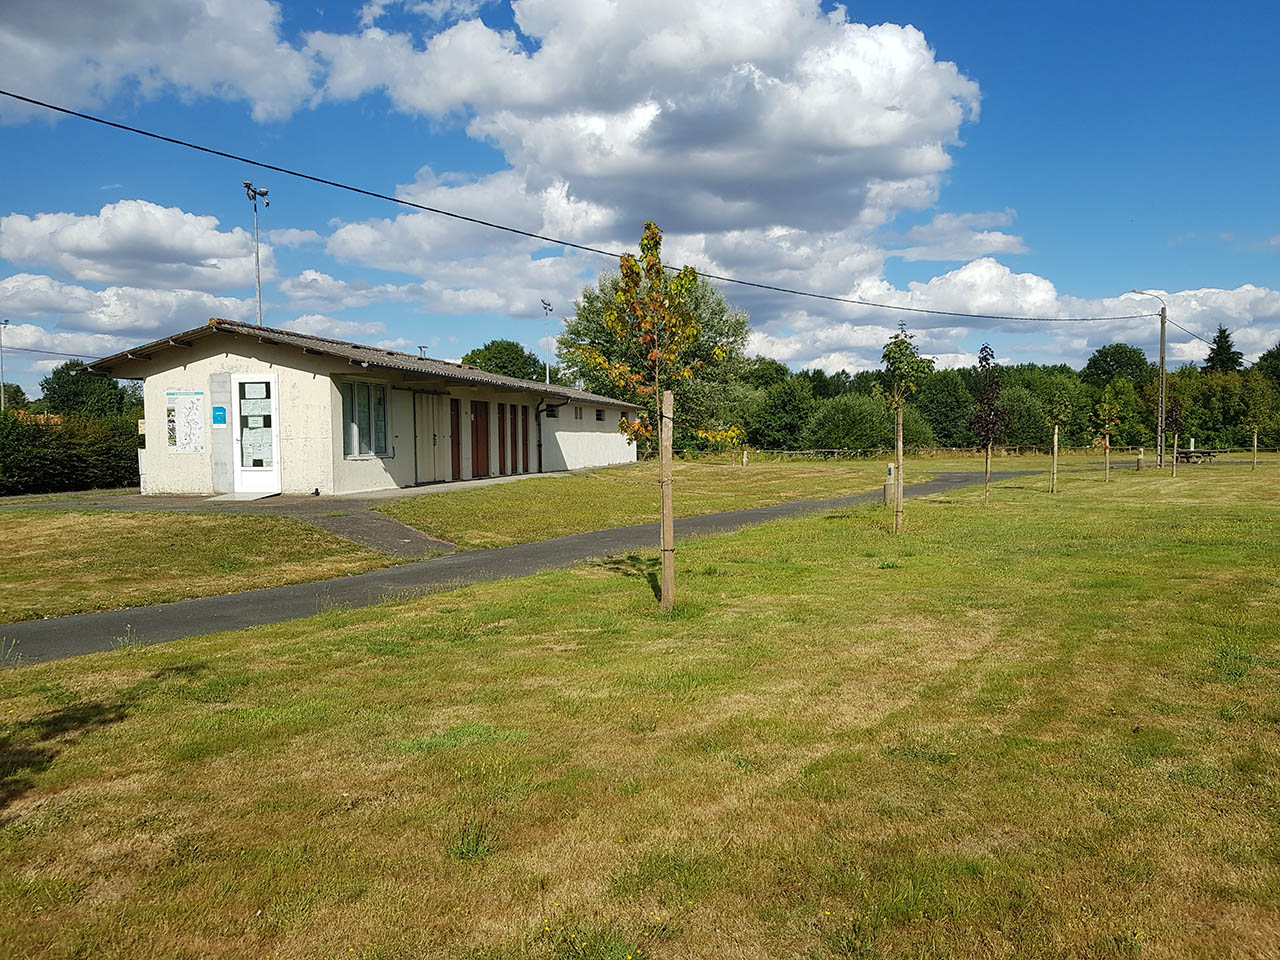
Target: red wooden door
{"type": "Point", "coordinates": [524, 421]}
{"type": "Point", "coordinates": [502, 438]}
{"type": "Point", "coordinates": [479, 438]}
{"type": "Point", "coordinates": [455, 437]}
{"type": "Point", "coordinates": [515, 441]}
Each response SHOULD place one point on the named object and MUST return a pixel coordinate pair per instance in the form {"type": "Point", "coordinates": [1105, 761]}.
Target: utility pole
{"type": "Point", "coordinates": [546, 340]}
{"type": "Point", "coordinates": [1164, 318]}
{"type": "Point", "coordinates": [253, 193]}
{"type": "Point", "coordinates": [3, 324]}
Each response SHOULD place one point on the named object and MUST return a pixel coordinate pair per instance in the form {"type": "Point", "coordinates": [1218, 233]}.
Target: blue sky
{"type": "Point", "coordinates": [1015, 159]}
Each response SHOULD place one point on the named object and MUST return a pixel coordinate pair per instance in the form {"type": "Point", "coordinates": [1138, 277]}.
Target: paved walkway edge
{"type": "Point", "coordinates": [59, 637]}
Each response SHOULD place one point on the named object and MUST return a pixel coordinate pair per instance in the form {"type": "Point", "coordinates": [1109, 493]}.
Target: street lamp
{"type": "Point", "coordinates": [3, 324]}
{"type": "Point", "coordinates": [1164, 317]}
{"type": "Point", "coordinates": [253, 193]}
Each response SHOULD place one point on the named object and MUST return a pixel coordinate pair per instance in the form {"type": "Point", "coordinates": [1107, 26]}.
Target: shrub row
{"type": "Point", "coordinates": [77, 453]}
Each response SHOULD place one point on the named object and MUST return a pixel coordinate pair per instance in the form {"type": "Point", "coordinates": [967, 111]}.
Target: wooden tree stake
{"type": "Point", "coordinates": [668, 515]}
{"type": "Point", "coordinates": [986, 490]}
{"type": "Point", "coordinates": [1053, 473]}
{"type": "Point", "coordinates": [897, 479]}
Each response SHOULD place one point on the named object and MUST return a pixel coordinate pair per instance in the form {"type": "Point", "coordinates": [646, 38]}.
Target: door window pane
{"type": "Point", "coordinates": [362, 417]}
{"type": "Point", "coordinates": [380, 420]}
{"type": "Point", "coordinates": [257, 441]}
{"type": "Point", "coordinates": [348, 418]}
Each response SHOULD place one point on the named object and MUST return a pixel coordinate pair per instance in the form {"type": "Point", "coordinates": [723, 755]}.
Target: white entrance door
{"type": "Point", "coordinates": [257, 433]}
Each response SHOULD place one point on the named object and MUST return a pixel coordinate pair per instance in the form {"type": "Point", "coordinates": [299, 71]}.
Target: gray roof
{"type": "Point", "coordinates": [356, 353]}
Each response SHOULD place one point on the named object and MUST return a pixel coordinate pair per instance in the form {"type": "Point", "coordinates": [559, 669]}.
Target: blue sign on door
{"type": "Point", "coordinates": [219, 416]}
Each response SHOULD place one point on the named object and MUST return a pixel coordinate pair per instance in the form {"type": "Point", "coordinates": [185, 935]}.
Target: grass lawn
{"type": "Point", "coordinates": [71, 562]}
{"type": "Point", "coordinates": [1043, 729]}
{"type": "Point", "coordinates": [545, 507]}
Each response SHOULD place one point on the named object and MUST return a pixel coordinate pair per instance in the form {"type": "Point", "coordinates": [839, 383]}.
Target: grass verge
{"type": "Point", "coordinates": [1047, 728]}
{"type": "Point", "coordinates": [544, 507]}
{"type": "Point", "coordinates": [60, 563]}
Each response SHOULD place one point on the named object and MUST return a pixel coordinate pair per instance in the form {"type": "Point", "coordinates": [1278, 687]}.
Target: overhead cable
{"type": "Point", "coordinates": [790, 291]}
{"type": "Point", "coordinates": [52, 353]}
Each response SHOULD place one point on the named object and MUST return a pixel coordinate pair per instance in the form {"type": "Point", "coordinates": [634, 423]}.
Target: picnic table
{"type": "Point", "coordinates": [1196, 456]}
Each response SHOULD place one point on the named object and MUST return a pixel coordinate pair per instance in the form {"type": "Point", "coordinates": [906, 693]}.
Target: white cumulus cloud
{"type": "Point", "coordinates": [135, 242]}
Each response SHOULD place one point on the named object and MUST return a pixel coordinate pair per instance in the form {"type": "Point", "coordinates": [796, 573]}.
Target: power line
{"type": "Point", "coordinates": [613, 255]}
{"type": "Point", "coordinates": [1185, 330]}
{"type": "Point", "coordinates": [52, 353]}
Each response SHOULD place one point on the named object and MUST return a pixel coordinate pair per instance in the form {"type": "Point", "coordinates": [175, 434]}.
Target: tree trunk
{"type": "Point", "coordinates": [897, 480]}
{"type": "Point", "coordinates": [986, 492]}
{"type": "Point", "coordinates": [1175, 454]}
{"type": "Point", "coordinates": [668, 523]}
{"type": "Point", "coordinates": [1106, 458]}
{"type": "Point", "coordinates": [1255, 448]}
{"type": "Point", "coordinates": [1053, 473]}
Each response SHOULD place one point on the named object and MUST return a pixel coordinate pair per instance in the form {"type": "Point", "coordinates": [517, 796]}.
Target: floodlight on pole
{"type": "Point", "coordinates": [1164, 318]}
{"type": "Point", "coordinates": [253, 193]}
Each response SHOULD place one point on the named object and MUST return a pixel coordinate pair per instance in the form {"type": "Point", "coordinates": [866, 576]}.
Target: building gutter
{"type": "Point", "coordinates": [537, 419]}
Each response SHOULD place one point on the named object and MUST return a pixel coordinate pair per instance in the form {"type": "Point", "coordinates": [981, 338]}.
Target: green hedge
{"type": "Point", "coordinates": [80, 453]}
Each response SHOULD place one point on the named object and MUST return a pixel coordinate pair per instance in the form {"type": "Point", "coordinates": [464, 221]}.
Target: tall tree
{"type": "Point", "coordinates": [507, 358]}
{"type": "Point", "coordinates": [763, 372]}
{"type": "Point", "coordinates": [68, 389]}
{"type": "Point", "coordinates": [904, 370]}
{"type": "Point", "coordinates": [1026, 426]}
{"type": "Point", "coordinates": [947, 405]}
{"type": "Point", "coordinates": [778, 420]}
{"type": "Point", "coordinates": [15, 398]}
{"type": "Point", "coordinates": [1223, 355]}
{"type": "Point", "coordinates": [1269, 365]}
{"type": "Point", "coordinates": [1117, 360]}
{"type": "Point", "coordinates": [991, 418]}
{"type": "Point", "coordinates": [854, 421]}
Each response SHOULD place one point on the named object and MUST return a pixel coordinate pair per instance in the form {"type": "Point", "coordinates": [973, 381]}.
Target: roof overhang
{"type": "Point", "coordinates": [419, 369]}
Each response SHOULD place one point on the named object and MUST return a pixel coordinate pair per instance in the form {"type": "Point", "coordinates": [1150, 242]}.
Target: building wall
{"type": "Point", "coordinates": [311, 423]}
{"type": "Point", "coordinates": [569, 443]}
{"type": "Point", "coordinates": [303, 389]}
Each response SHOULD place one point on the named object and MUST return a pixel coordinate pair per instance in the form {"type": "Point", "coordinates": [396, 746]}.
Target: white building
{"type": "Point", "coordinates": [233, 408]}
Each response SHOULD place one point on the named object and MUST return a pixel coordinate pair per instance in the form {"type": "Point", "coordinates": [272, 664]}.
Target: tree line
{"type": "Point", "coordinates": [1221, 402]}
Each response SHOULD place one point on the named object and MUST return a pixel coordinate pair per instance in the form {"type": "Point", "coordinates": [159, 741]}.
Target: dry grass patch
{"type": "Point", "coordinates": [59, 563]}
{"type": "Point", "coordinates": [1044, 729]}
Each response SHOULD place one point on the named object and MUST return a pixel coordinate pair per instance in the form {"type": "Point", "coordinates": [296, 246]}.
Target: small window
{"type": "Point", "coordinates": [551, 413]}
{"type": "Point", "coordinates": [364, 419]}
{"type": "Point", "coordinates": [599, 414]}
{"type": "Point", "coordinates": [577, 413]}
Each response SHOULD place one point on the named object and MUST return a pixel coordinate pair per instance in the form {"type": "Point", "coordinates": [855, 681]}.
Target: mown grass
{"type": "Point", "coordinates": [1047, 728]}
{"type": "Point", "coordinates": [546, 507]}
{"type": "Point", "coordinates": [58, 563]}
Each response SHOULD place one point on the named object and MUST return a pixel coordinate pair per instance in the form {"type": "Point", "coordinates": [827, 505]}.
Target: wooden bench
{"type": "Point", "coordinates": [1196, 456]}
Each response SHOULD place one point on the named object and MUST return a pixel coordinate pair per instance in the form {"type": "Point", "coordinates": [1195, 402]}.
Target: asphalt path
{"type": "Point", "coordinates": [59, 637]}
